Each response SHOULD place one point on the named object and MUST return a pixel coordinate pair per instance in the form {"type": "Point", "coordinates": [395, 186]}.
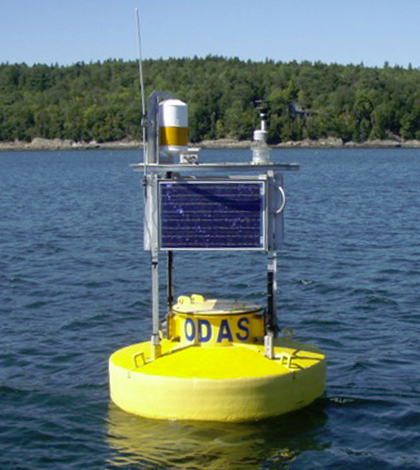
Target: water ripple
{"type": "Point", "coordinates": [75, 286]}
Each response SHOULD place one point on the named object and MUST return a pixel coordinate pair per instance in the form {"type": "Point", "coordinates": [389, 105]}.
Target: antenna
{"type": "Point", "coordinates": [143, 102]}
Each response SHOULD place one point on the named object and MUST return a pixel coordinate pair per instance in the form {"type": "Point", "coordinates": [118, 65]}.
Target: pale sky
{"type": "Point", "coordinates": [340, 31]}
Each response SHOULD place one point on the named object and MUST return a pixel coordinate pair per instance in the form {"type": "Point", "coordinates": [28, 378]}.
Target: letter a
{"type": "Point", "coordinates": [224, 332]}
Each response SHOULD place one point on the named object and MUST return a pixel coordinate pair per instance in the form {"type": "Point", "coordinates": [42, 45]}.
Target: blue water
{"type": "Point", "coordinates": [75, 286]}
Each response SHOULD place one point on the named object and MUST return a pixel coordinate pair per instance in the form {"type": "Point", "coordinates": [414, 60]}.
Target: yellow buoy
{"type": "Point", "coordinates": [212, 359]}
{"type": "Point", "coordinates": [196, 379]}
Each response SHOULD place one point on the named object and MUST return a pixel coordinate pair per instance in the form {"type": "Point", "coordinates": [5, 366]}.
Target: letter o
{"type": "Point", "coordinates": [189, 322]}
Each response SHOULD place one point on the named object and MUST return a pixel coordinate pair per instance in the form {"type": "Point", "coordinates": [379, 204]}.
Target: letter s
{"type": "Point", "coordinates": [243, 324]}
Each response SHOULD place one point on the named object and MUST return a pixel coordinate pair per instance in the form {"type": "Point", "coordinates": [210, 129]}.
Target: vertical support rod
{"type": "Point", "coordinates": [170, 282]}
{"type": "Point", "coordinates": [271, 327]}
{"type": "Point", "coordinates": [152, 217]}
{"type": "Point", "coordinates": [154, 237]}
{"type": "Point", "coordinates": [271, 291]}
{"type": "Point", "coordinates": [155, 340]}
{"type": "Point", "coordinates": [170, 261]}
{"type": "Point", "coordinates": [170, 292]}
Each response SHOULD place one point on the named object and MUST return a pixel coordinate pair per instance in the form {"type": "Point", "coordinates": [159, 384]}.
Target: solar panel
{"type": "Point", "coordinates": [212, 215]}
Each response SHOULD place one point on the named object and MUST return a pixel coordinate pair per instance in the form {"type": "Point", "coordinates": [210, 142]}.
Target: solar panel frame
{"type": "Point", "coordinates": [204, 214]}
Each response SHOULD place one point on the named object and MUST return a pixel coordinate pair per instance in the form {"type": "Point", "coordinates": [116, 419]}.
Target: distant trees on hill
{"type": "Point", "coordinates": [101, 101]}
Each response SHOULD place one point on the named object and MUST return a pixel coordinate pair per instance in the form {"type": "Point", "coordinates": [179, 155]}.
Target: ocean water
{"type": "Point", "coordinates": [75, 286]}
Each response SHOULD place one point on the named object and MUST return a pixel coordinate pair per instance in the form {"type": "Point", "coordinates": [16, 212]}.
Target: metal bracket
{"type": "Point", "coordinates": [145, 122]}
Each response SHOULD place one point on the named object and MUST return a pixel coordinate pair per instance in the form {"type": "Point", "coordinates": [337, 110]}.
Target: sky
{"type": "Point", "coordinates": [63, 32]}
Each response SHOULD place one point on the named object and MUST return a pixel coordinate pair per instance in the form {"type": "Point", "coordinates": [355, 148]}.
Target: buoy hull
{"type": "Point", "coordinates": [235, 383]}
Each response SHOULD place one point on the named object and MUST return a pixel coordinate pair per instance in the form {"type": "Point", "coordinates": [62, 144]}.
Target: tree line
{"type": "Point", "coordinates": [101, 101]}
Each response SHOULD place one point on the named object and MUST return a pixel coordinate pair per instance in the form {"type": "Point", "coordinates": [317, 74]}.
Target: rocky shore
{"type": "Point", "coordinates": [58, 144]}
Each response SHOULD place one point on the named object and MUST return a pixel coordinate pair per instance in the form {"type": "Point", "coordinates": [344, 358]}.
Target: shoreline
{"type": "Point", "coordinates": [327, 143]}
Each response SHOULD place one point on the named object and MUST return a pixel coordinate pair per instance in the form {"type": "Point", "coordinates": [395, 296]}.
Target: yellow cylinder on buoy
{"type": "Point", "coordinates": [173, 127]}
{"type": "Point", "coordinates": [212, 322]}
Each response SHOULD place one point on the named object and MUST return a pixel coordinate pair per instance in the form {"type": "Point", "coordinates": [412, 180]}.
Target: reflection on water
{"type": "Point", "coordinates": [144, 443]}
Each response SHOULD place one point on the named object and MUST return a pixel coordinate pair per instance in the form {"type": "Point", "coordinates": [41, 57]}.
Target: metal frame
{"type": "Point", "coordinates": [156, 171]}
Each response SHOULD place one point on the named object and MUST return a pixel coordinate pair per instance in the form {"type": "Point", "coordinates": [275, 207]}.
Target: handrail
{"type": "Point", "coordinates": [283, 204]}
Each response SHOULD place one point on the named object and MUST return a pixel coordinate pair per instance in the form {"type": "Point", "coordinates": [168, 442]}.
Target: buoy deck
{"type": "Point", "coordinates": [216, 363]}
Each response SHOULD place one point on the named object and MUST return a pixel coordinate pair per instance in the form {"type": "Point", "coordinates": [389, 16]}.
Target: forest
{"type": "Point", "coordinates": [101, 101]}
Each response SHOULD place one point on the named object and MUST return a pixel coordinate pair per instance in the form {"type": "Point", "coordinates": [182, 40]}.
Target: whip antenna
{"type": "Point", "coordinates": [143, 102]}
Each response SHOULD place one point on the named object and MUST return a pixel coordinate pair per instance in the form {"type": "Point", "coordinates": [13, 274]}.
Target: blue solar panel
{"type": "Point", "coordinates": [212, 215]}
